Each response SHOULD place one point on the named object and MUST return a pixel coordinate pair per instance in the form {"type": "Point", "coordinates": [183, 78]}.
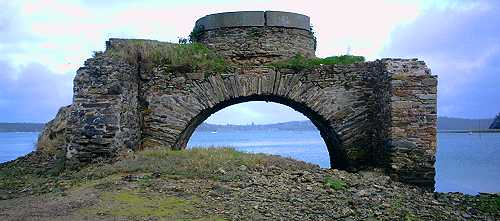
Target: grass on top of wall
{"type": "Point", "coordinates": [189, 57]}
{"type": "Point", "coordinates": [299, 62]}
{"type": "Point", "coordinates": [196, 57]}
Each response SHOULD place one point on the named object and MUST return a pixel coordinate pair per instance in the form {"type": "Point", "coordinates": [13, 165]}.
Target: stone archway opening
{"type": "Point", "coordinates": [263, 127]}
{"type": "Point", "coordinates": [327, 133]}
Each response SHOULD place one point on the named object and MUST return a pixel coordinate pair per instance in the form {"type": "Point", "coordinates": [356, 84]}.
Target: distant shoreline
{"type": "Point", "coordinates": [19, 132]}
{"type": "Point", "coordinates": [21, 127]}
{"type": "Point", "coordinates": [444, 125]}
{"type": "Point", "coordinates": [470, 131]}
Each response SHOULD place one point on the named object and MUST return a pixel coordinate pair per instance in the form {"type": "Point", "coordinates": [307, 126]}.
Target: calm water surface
{"type": "Point", "coordinates": [14, 145]}
{"type": "Point", "coordinates": [464, 163]}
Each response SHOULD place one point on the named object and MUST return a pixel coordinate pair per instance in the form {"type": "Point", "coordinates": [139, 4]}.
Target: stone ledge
{"type": "Point", "coordinates": [254, 19]}
{"type": "Point", "coordinates": [287, 19]}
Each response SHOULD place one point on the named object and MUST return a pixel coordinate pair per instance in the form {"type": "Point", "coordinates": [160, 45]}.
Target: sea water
{"type": "Point", "coordinates": [16, 144]}
{"type": "Point", "coordinates": [468, 163]}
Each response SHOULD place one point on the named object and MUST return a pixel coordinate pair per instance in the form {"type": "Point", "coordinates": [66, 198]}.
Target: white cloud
{"type": "Point", "coordinates": [459, 42]}
{"type": "Point", "coordinates": [32, 93]}
{"type": "Point", "coordinates": [61, 34]}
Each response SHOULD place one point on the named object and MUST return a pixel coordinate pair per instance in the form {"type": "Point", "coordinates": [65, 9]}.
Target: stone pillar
{"type": "Point", "coordinates": [412, 128]}
{"type": "Point", "coordinates": [104, 115]}
{"type": "Point", "coordinates": [256, 37]}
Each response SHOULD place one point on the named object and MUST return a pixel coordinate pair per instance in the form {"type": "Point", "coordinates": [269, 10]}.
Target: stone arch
{"type": "Point", "coordinates": [178, 102]}
{"type": "Point", "coordinates": [330, 137]}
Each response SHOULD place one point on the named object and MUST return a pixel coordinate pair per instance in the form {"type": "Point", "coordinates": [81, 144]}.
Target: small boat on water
{"type": "Point", "coordinates": [213, 132]}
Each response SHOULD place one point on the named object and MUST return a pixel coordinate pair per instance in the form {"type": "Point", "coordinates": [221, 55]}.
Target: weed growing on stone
{"type": "Point", "coordinates": [335, 184]}
{"type": "Point", "coordinates": [198, 56]}
{"type": "Point", "coordinates": [299, 62]}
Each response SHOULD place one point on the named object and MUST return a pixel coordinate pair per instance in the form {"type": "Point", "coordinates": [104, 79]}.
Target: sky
{"type": "Point", "coordinates": [43, 42]}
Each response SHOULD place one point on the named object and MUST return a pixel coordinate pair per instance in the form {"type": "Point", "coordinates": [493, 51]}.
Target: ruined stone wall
{"type": "Point", "coordinates": [413, 116]}
{"type": "Point", "coordinates": [104, 117]}
{"type": "Point", "coordinates": [380, 113]}
{"type": "Point", "coordinates": [371, 114]}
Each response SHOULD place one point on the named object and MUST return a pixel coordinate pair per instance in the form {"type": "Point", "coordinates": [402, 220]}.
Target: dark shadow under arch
{"type": "Point", "coordinates": [330, 137]}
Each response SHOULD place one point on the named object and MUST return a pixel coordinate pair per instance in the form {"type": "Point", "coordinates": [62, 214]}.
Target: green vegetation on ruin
{"type": "Point", "coordinates": [299, 62]}
{"type": "Point", "coordinates": [195, 57]}
{"type": "Point", "coordinates": [188, 57]}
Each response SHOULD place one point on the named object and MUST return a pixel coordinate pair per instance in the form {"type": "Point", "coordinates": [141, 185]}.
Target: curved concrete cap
{"type": "Point", "coordinates": [254, 19]}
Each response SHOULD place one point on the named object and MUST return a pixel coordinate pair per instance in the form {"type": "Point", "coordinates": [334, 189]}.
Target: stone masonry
{"type": "Point", "coordinates": [255, 38]}
{"type": "Point", "coordinates": [372, 114]}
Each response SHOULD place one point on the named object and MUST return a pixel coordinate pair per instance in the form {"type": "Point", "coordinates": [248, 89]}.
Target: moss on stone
{"type": "Point", "coordinates": [135, 204]}
{"type": "Point", "coordinates": [335, 184]}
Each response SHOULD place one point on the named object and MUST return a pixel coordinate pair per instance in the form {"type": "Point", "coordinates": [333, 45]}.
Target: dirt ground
{"type": "Point", "coordinates": [224, 185]}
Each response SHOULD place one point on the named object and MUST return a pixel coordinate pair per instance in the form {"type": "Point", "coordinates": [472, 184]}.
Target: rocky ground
{"type": "Point", "coordinates": [220, 185]}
